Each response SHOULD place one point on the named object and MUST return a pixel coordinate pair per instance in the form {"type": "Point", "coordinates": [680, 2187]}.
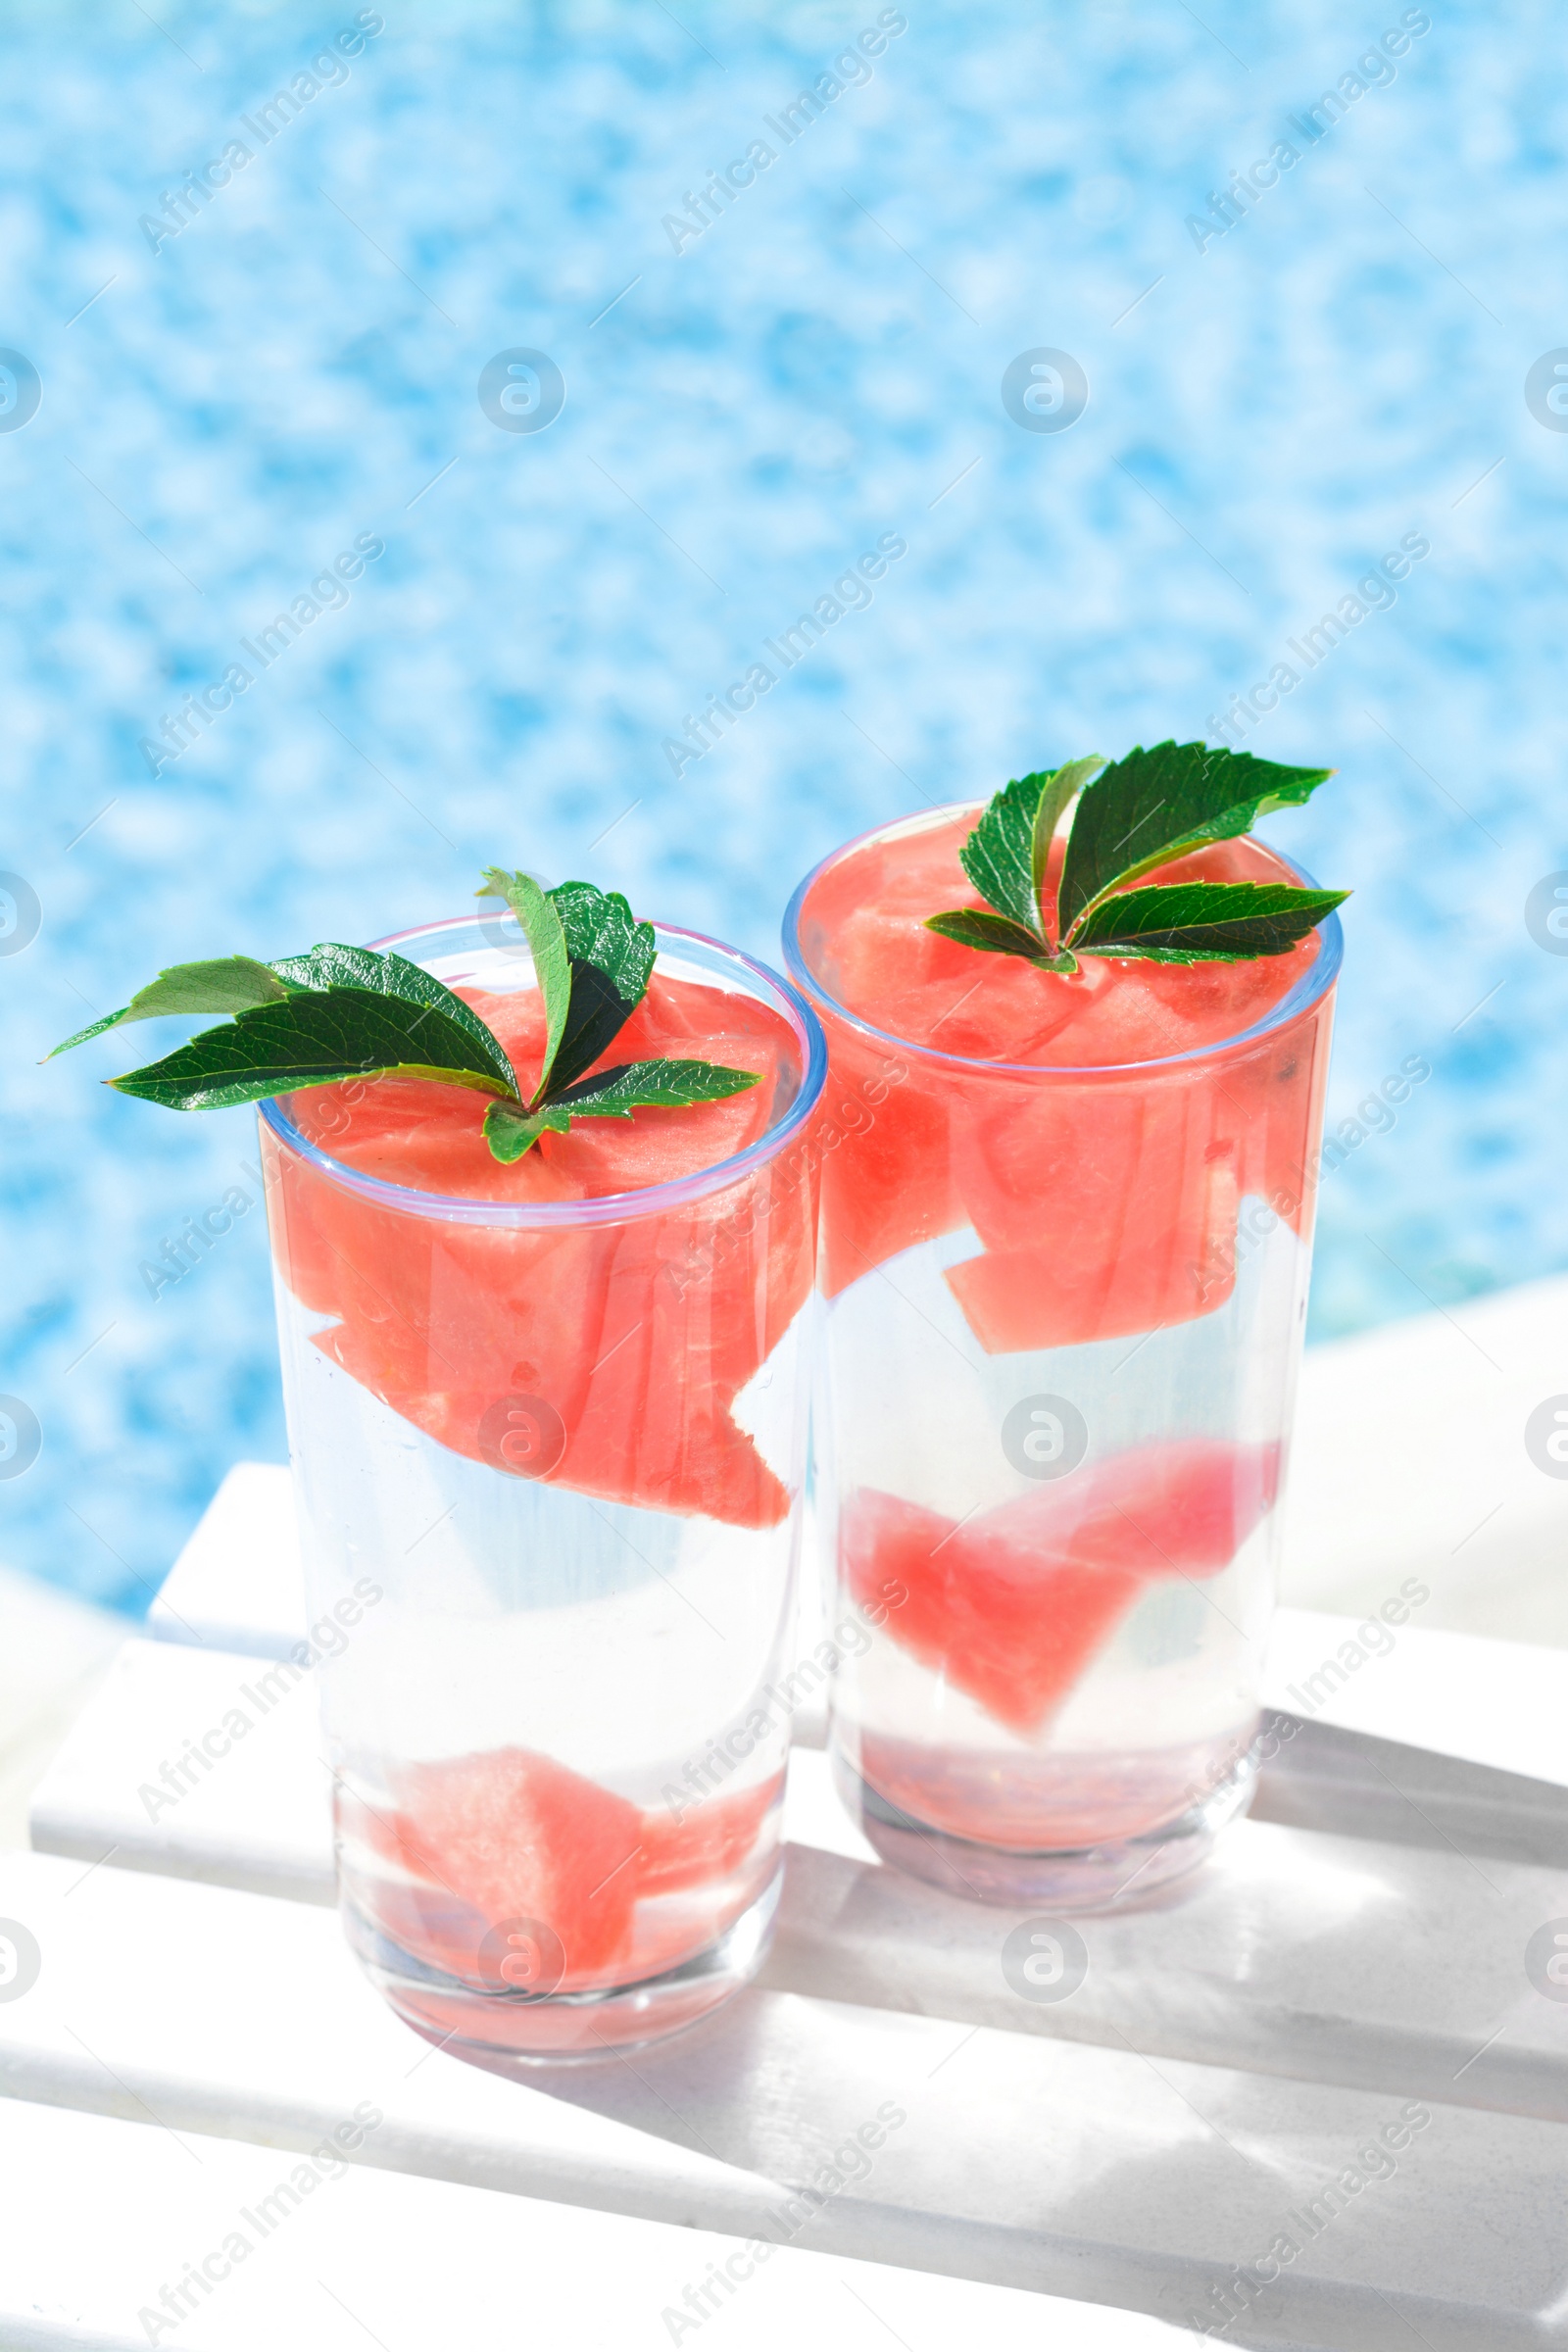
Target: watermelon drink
{"type": "Point", "coordinates": [551, 1415]}
{"type": "Point", "coordinates": [1066, 1219]}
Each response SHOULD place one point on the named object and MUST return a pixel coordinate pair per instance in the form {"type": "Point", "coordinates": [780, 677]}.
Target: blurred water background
{"type": "Point", "coordinates": [1271, 410]}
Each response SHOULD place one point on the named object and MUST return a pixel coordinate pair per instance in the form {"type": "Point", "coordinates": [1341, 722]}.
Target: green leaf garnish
{"type": "Point", "coordinates": [1154, 805]}
{"type": "Point", "coordinates": [1060, 791]}
{"type": "Point", "coordinates": [595, 1018]}
{"type": "Point", "coordinates": [998, 855]}
{"type": "Point", "coordinates": [339, 1013]}
{"type": "Point", "coordinates": [1140, 812]}
{"type": "Point", "coordinates": [547, 941]}
{"type": "Point", "coordinates": [638, 1085]}
{"type": "Point", "coordinates": [228, 984]}
{"type": "Point", "coordinates": [600, 930]}
{"type": "Point", "coordinates": [1007, 855]}
{"type": "Point", "coordinates": [311, 1039]}
{"type": "Point", "coordinates": [610, 958]}
{"type": "Point", "coordinates": [331, 966]}
{"type": "Point", "coordinates": [1205, 922]}
{"type": "Point", "coordinates": [997, 934]}
{"type": "Point", "coordinates": [592, 959]}
{"type": "Point", "coordinates": [511, 1131]}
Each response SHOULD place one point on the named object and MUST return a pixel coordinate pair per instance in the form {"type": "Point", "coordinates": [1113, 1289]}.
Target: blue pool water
{"type": "Point", "coordinates": [1271, 410]}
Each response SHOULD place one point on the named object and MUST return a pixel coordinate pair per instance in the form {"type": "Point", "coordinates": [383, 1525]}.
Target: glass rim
{"type": "Point", "coordinates": [606, 1208]}
{"type": "Point", "coordinates": [1299, 1001]}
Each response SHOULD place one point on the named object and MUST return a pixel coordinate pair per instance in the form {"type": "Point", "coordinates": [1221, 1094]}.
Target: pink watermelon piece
{"type": "Point", "coordinates": [710, 1843]}
{"type": "Point", "coordinates": [518, 1835]}
{"type": "Point", "coordinates": [1012, 1605]}
{"type": "Point", "coordinates": [1177, 1261]}
{"type": "Point", "coordinates": [636, 1337]}
{"type": "Point", "coordinates": [511, 1835]}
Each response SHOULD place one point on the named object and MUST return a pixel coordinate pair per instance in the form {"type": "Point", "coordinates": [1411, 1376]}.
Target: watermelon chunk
{"type": "Point", "coordinates": [486, 1840]}
{"type": "Point", "coordinates": [636, 1337]}
{"type": "Point", "coordinates": [519, 1836]}
{"type": "Point", "coordinates": [1177, 1260]}
{"type": "Point", "coordinates": [1012, 1605]}
{"type": "Point", "coordinates": [710, 1843]}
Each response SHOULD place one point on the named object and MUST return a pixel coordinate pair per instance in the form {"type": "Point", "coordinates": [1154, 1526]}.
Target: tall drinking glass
{"type": "Point", "coordinates": [548, 1456]}
{"type": "Point", "coordinates": [1066, 1290]}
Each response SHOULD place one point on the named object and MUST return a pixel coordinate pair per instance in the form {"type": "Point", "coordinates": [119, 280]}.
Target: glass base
{"type": "Point", "coordinates": [551, 2028]}
{"type": "Point", "coordinates": [1113, 1875]}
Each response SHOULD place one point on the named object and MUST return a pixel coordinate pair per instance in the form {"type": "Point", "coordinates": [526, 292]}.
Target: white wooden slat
{"type": "Point", "coordinates": [53, 1649]}
{"type": "Point", "coordinates": [1291, 1952]}
{"type": "Point", "coordinates": [132, 1783]}
{"type": "Point", "coordinates": [1503, 1703]}
{"type": "Point", "coordinates": [1021, 2161]}
{"type": "Point", "coordinates": [103, 2218]}
{"type": "Point", "coordinates": [238, 1584]}
{"type": "Point", "coordinates": [1353, 1784]}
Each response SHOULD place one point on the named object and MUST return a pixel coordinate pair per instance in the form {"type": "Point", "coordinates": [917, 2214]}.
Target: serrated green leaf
{"type": "Point", "coordinates": [1007, 855]}
{"type": "Point", "coordinates": [595, 1017]}
{"type": "Point", "coordinates": [997, 934]}
{"type": "Point", "coordinates": [542, 928]}
{"type": "Point", "coordinates": [314, 1039]}
{"type": "Point", "coordinates": [998, 855]}
{"type": "Point", "coordinates": [1205, 922]}
{"type": "Point", "coordinates": [612, 1095]}
{"type": "Point", "coordinates": [612, 957]}
{"type": "Point", "coordinates": [1060, 792]}
{"type": "Point", "coordinates": [1156, 805]}
{"type": "Point", "coordinates": [510, 1132]}
{"type": "Point", "coordinates": [330, 965]}
{"type": "Point", "coordinates": [222, 984]}
{"type": "Point", "coordinates": [652, 1085]}
{"type": "Point", "coordinates": [602, 930]}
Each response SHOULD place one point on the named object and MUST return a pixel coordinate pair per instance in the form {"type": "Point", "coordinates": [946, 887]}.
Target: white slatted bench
{"type": "Point", "coordinates": [197, 2028]}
